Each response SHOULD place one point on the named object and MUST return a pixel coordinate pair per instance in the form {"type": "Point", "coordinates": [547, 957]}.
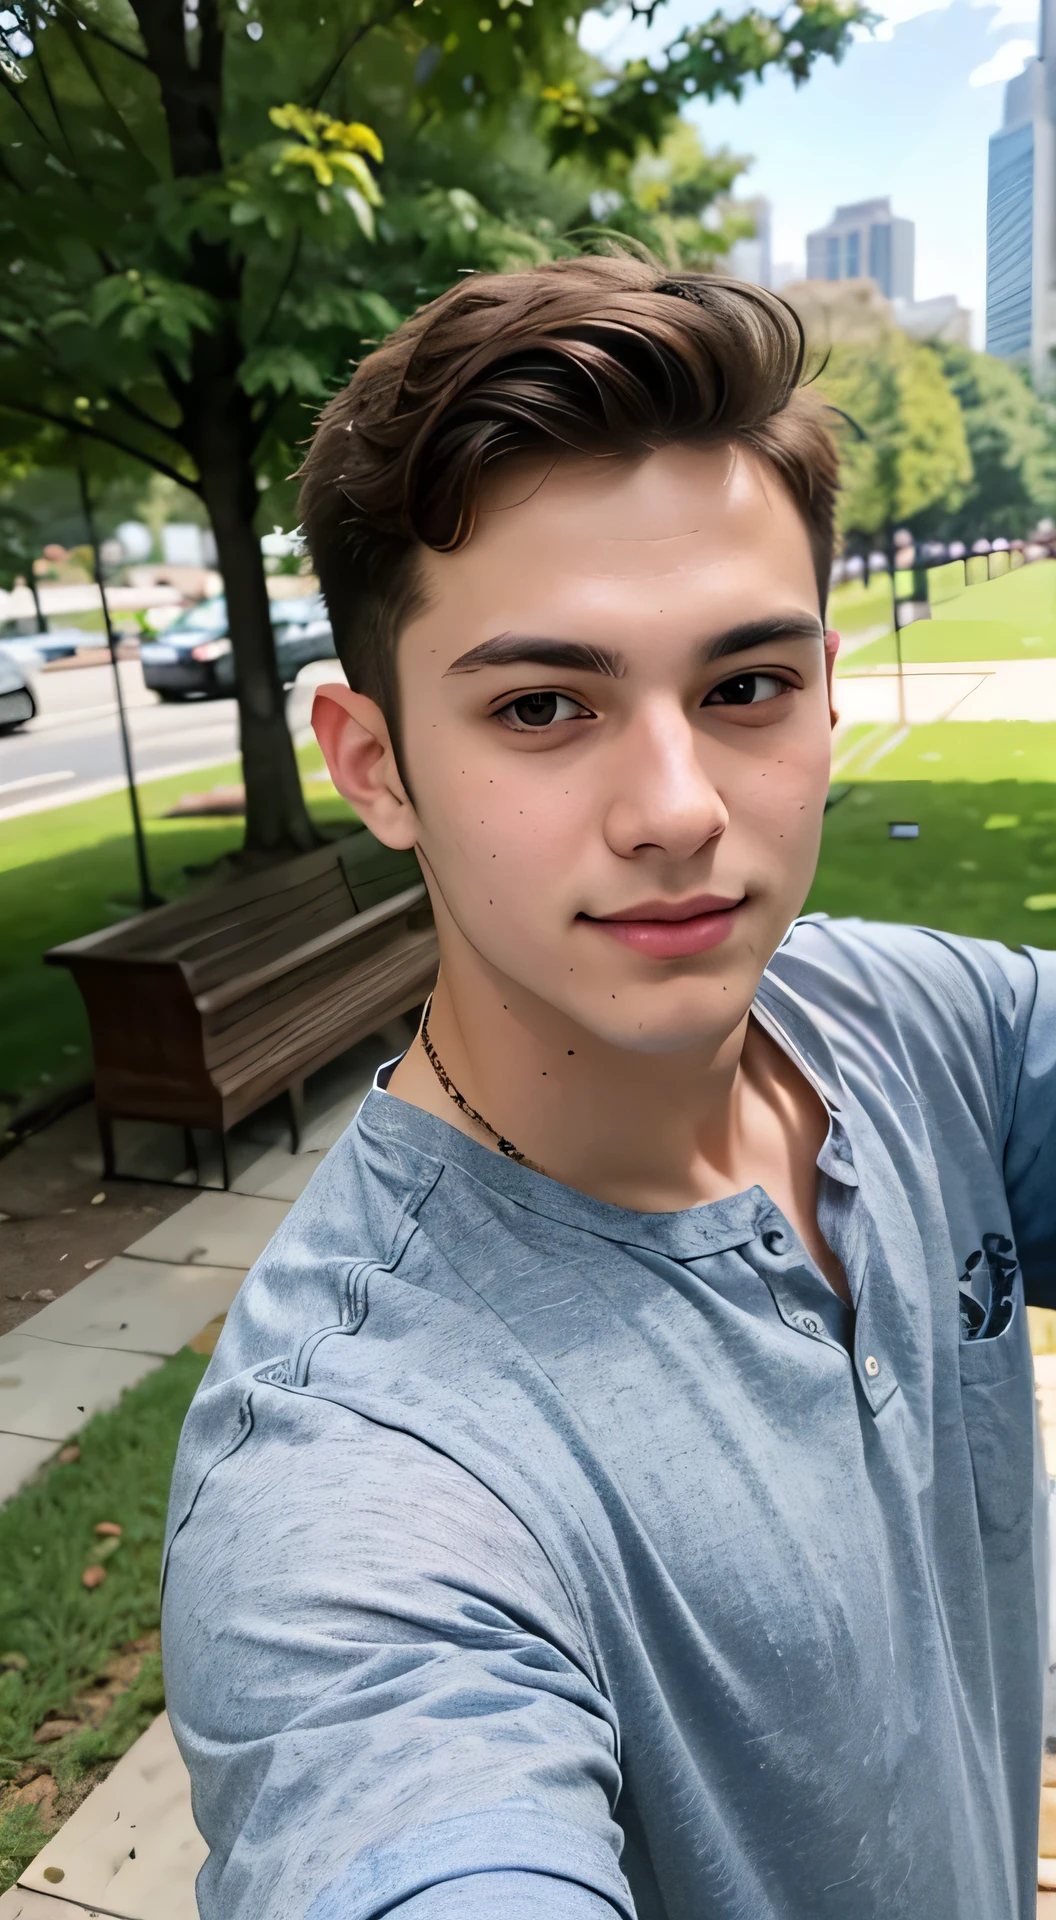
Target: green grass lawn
{"type": "Point", "coordinates": [985, 848]}
{"type": "Point", "coordinates": [984, 796]}
{"type": "Point", "coordinates": [71, 870]}
{"type": "Point", "coordinates": [853, 609]}
{"type": "Point", "coordinates": [1010, 618]}
{"type": "Point", "coordinates": [56, 1635]}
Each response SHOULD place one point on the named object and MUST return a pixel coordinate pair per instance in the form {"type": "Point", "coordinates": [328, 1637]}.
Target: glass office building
{"type": "Point", "coordinates": [1021, 216]}
{"type": "Point", "coordinates": [1010, 242]}
{"type": "Point", "coordinates": [865, 240]}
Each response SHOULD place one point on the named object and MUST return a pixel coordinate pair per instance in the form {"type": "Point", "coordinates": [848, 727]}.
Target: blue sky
{"type": "Point", "coordinates": [907, 113]}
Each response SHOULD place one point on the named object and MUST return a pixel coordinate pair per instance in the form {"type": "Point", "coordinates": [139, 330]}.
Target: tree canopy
{"type": "Point", "coordinates": [208, 208]}
{"type": "Point", "coordinates": [1011, 435]}
{"type": "Point", "coordinates": [916, 451]}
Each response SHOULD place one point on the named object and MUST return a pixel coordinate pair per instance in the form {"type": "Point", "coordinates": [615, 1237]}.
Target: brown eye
{"type": "Point", "coordinates": [533, 712]}
{"type": "Point", "coordinates": [746, 690]}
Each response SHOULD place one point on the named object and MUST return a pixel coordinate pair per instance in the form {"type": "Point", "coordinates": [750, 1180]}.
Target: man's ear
{"type": "Point", "coordinates": [354, 736]}
{"type": "Point", "coordinates": [832, 648]}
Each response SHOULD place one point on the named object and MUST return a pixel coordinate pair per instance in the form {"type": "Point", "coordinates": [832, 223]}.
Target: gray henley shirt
{"type": "Point", "coordinates": [534, 1559]}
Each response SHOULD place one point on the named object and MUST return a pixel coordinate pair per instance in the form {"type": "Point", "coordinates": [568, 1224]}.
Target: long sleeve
{"type": "Point", "coordinates": [1030, 1151]}
{"type": "Point", "coordinates": [382, 1691]}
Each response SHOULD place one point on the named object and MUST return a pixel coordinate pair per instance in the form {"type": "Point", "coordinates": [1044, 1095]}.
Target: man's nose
{"type": "Point", "coordinates": [663, 798]}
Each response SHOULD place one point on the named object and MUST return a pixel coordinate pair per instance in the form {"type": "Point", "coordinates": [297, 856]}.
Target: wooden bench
{"type": "Point", "coordinates": [204, 1010]}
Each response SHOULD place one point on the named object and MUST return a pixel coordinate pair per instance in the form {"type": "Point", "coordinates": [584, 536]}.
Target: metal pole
{"type": "Point", "coordinates": [147, 896]}
{"type": "Point", "coordinates": [898, 630]}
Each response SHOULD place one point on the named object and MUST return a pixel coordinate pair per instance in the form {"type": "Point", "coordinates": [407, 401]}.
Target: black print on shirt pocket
{"type": "Point", "coordinates": [993, 1268]}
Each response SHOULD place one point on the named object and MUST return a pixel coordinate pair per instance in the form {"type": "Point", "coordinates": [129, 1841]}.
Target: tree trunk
{"type": "Point", "coordinates": [277, 820]}
{"type": "Point", "coordinates": [42, 625]}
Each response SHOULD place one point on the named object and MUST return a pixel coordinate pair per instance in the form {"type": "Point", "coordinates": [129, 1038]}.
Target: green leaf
{"type": "Point", "coordinates": [282, 370]}
{"type": "Point", "coordinates": [363, 212]}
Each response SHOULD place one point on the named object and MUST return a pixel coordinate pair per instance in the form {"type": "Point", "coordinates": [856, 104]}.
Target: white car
{"type": "Point", "coordinates": [17, 700]}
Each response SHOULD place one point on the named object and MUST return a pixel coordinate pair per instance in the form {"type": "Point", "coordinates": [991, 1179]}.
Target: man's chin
{"type": "Point", "coordinates": [679, 1017]}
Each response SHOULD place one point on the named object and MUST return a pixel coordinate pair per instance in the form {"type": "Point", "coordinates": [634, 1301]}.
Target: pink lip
{"type": "Point", "coordinates": [667, 931]}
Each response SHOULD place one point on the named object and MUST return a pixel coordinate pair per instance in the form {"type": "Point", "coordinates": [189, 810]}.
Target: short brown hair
{"type": "Point", "coordinates": [598, 354]}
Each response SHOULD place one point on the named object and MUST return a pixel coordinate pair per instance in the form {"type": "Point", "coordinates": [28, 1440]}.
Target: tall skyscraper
{"type": "Point", "coordinates": [1020, 212]}
{"type": "Point", "coordinates": [749, 259]}
{"type": "Point", "coordinates": [866, 241]}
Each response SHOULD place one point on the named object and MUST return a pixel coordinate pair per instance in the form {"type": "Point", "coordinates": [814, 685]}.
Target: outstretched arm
{"type": "Point", "coordinates": [382, 1691]}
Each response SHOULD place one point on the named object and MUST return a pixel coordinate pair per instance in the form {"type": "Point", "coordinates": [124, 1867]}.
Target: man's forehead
{"type": "Point", "coordinates": [662, 495]}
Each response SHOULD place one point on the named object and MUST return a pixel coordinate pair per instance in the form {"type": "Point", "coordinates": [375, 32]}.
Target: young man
{"type": "Point", "coordinates": [614, 1491]}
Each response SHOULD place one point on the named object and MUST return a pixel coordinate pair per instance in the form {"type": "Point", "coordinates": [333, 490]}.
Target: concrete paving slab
{"type": "Point", "coordinates": [958, 690]}
{"type": "Point", "coordinates": [137, 1306]}
{"type": "Point", "coordinates": [20, 1904]}
{"type": "Point", "coordinates": [47, 1390]}
{"type": "Point", "coordinates": [214, 1230]}
{"type": "Point", "coordinates": [872, 698]}
{"type": "Point", "coordinates": [277, 1175]}
{"type": "Point", "coordinates": [19, 1459]}
{"type": "Point", "coordinates": [1013, 690]}
{"type": "Point", "coordinates": [131, 1849]}
{"type": "Point", "coordinates": [334, 1096]}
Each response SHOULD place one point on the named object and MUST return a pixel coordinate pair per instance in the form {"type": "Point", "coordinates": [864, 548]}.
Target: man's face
{"type": "Point", "coordinates": [616, 731]}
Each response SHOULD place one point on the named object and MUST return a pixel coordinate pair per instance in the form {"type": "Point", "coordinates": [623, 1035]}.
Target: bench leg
{"type": "Point", "coordinates": [190, 1148]}
{"type": "Point", "coordinates": [106, 1142]}
{"type": "Point", "coordinates": [295, 1102]}
{"type": "Point", "coordinates": [224, 1161]}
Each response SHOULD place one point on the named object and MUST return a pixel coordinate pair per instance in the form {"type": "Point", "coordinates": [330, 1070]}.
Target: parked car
{"type": "Point", "coordinates": [40, 649]}
{"type": "Point", "coordinates": [193, 658]}
{"type": "Point", "coordinates": [17, 701]}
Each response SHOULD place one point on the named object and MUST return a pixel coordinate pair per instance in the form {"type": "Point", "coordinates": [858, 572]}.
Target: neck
{"type": "Point", "coordinates": [652, 1132]}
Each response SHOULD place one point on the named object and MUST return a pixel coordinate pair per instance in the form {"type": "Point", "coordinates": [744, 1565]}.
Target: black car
{"type": "Point", "coordinates": [193, 659]}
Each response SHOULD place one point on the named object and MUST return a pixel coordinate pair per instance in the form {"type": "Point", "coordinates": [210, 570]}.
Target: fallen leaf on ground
{"type": "Point", "coordinates": [89, 1264]}
{"type": "Point", "coordinates": [13, 1663]}
{"type": "Point", "coordinates": [5, 1216]}
{"type": "Point", "coordinates": [108, 1528]}
{"type": "Point", "coordinates": [68, 1455]}
{"type": "Point", "coordinates": [39, 1793]}
{"type": "Point", "coordinates": [105, 1549]}
{"type": "Point", "coordinates": [97, 1199]}
{"type": "Point", "coordinates": [93, 1577]}
{"type": "Point", "coordinates": [54, 1730]}
{"type": "Point", "coordinates": [45, 1293]}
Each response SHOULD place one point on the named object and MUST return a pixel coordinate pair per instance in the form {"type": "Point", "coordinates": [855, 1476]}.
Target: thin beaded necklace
{"type": "Point", "coordinates": [504, 1146]}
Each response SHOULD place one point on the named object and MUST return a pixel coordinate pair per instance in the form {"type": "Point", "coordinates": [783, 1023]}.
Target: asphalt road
{"type": "Point", "coordinates": [72, 749]}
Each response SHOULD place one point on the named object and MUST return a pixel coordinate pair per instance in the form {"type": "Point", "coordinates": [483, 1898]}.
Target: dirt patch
{"type": "Point", "coordinates": [56, 1232]}
{"type": "Point", "coordinates": [35, 1785]}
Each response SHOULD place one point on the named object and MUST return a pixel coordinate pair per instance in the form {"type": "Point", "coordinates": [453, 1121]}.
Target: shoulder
{"type": "Point", "coordinates": [914, 1006]}
{"type": "Point", "coordinates": [903, 973]}
{"type": "Point", "coordinates": [357, 1212]}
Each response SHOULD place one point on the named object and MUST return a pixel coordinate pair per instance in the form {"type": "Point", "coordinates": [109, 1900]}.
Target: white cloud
{"type": "Point", "coordinates": [1010, 13]}
{"type": "Point", "coordinates": [897, 12]}
{"type": "Point", "coordinates": [1005, 64]}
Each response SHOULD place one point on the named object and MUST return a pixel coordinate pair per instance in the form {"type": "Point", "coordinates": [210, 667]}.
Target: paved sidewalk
{"type": "Point", "coordinates": [131, 1850]}
{"type": "Point", "coordinates": [959, 690]}
{"type": "Point", "coordinates": [78, 1355]}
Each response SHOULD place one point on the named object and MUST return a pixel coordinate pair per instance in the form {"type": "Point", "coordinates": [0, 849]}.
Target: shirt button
{"type": "Point", "coordinates": [872, 1365]}
{"type": "Point", "coordinates": [809, 1324]}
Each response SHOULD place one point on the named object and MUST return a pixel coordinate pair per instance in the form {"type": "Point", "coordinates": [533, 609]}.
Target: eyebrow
{"type": "Point", "coordinates": [509, 649]}
{"type": "Point", "coordinates": [759, 633]}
